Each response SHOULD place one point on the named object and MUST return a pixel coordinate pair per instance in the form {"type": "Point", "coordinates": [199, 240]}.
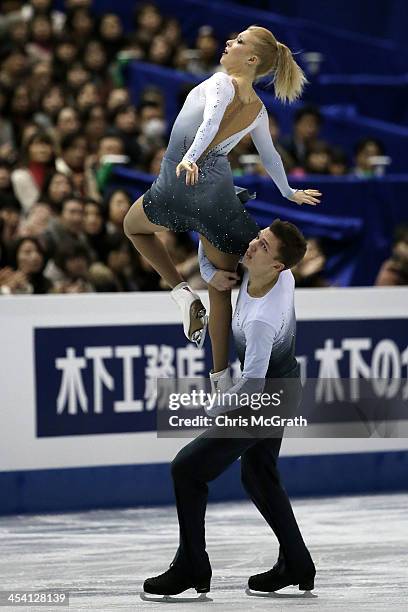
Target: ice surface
{"type": "Point", "coordinates": [359, 545]}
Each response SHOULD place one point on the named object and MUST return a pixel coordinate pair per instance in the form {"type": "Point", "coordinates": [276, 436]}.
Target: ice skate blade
{"type": "Point", "coordinates": [202, 597]}
{"type": "Point", "coordinates": [198, 336]}
{"type": "Point", "coordinates": [197, 318]}
{"type": "Point", "coordinates": [274, 594]}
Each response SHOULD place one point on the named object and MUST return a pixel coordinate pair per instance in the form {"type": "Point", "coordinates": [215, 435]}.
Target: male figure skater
{"type": "Point", "coordinates": [264, 333]}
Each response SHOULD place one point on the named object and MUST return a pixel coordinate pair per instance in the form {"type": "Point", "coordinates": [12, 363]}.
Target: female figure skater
{"type": "Point", "coordinates": [215, 116]}
{"type": "Point", "coordinates": [264, 328]}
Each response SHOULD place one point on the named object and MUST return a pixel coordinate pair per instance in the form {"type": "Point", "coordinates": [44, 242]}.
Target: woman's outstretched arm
{"type": "Point", "coordinates": [272, 163]}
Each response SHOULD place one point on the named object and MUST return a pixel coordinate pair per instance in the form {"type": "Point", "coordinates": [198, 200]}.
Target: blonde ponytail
{"type": "Point", "coordinates": [289, 78]}
{"type": "Point", "coordinates": [276, 59]}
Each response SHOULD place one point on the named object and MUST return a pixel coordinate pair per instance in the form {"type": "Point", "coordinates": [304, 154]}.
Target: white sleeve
{"type": "Point", "coordinates": [260, 339]}
{"type": "Point", "coordinates": [270, 158]}
{"type": "Point", "coordinates": [207, 269]}
{"type": "Point", "coordinates": [219, 92]}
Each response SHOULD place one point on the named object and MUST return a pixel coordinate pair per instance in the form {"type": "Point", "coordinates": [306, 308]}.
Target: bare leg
{"type": "Point", "coordinates": [141, 232]}
{"type": "Point", "coordinates": [220, 307]}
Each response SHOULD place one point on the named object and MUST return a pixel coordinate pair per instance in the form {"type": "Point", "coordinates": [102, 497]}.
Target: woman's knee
{"type": "Point", "coordinates": [132, 223]}
{"type": "Point", "coordinates": [129, 227]}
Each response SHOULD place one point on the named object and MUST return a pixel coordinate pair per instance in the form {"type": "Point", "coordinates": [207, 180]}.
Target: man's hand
{"type": "Point", "coordinates": [223, 280]}
{"type": "Point", "coordinates": [191, 170]}
{"type": "Point", "coordinates": [306, 196]}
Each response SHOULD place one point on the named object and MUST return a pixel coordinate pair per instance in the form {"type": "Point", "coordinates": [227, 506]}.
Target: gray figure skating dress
{"type": "Point", "coordinates": [211, 122]}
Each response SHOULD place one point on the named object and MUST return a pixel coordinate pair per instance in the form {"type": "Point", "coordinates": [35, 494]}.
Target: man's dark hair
{"type": "Point", "coordinates": [72, 198]}
{"type": "Point", "coordinates": [69, 140]}
{"type": "Point", "coordinates": [308, 110]}
{"type": "Point", "coordinates": [69, 251]}
{"type": "Point", "coordinates": [10, 202]}
{"type": "Point", "coordinates": [292, 242]}
{"type": "Point", "coordinates": [361, 144]}
{"type": "Point", "coordinates": [148, 104]}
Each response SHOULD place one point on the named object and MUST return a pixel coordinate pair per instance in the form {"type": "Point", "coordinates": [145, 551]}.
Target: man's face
{"type": "Point", "coordinates": [72, 216]}
{"type": "Point", "coordinates": [75, 155]}
{"type": "Point", "coordinates": [110, 146]}
{"type": "Point", "coordinates": [307, 128]}
{"type": "Point", "coordinates": [263, 253]}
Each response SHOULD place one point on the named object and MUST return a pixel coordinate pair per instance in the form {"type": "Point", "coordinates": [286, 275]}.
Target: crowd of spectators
{"type": "Point", "coordinates": [66, 117]}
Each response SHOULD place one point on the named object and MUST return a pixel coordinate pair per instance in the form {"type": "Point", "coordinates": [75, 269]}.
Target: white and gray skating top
{"type": "Point", "coordinates": [264, 330]}
{"type": "Point", "coordinates": [220, 120]}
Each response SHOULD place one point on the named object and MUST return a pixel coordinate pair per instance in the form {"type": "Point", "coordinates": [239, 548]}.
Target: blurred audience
{"type": "Point", "coordinates": [394, 271]}
{"type": "Point", "coordinates": [66, 119]}
{"type": "Point", "coordinates": [310, 271]}
{"type": "Point", "coordinates": [366, 152]}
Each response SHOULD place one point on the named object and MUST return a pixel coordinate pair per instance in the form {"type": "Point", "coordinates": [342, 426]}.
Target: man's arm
{"type": "Point", "coordinates": [260, 341]}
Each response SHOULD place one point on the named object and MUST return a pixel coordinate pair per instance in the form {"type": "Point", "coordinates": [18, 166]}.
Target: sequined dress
{"type": "Point", "coordinates": [211, 122]}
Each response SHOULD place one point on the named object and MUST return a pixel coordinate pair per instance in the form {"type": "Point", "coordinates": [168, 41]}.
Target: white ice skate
{"type": "Point", "coordinates": [220, 383]}
{"type": "Point", "coordinates": [195, 319]}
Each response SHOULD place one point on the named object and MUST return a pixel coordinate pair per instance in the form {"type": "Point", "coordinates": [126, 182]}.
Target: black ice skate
{"type": "Point", "coordinates": [173, 582]}
{"type": "Point", "coordinates": [265, 584]}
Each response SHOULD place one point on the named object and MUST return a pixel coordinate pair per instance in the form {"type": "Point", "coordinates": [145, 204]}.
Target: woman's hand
{"type": "Point", "coordinates": [306, 196]}
{"type": "Point", "coordinates": [191, 169]}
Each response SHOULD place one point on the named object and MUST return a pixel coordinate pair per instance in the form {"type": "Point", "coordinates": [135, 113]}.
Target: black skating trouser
{"type": "Point", "coordinates": [205, 458]}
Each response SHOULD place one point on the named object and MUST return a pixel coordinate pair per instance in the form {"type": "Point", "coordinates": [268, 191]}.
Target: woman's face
{"type": "Point", "coordinates": [59, 188]}
{"type": "Point", "coordinates": [29, 258]}
{"type": "Point", "coordinates": [19, 32]}
{"type": "Point", "coordinates": [40, 152]}
{"type": "Point", "coordinates": [371, 149]}
{"type": "Point", "coordinates": [41, 29]}
{"type": "Point", "coordinates": [127, 120]}
{"type": "Point", "coordinates": [53, 101]}
{"type": "Point", "coordinates": [118, 207]}
{"type": "Point", "coordinates": [21, 103]}
{"type": "Point", "coordinates": [88, 96]}
{"type": "Point", "coordinates": [42, 75]}
{"type": "Point", "coordinates": [160, 50]}
{"type": "Point", "coordinates": [111, 27]}
{"type": "Point", "coordinates": [150, 20]}
{"type": "Point", "coordinates": [68, 121]}
{"type": "Point", "coordinates": [96, 125]}
{"type": "Point", "coordinates": [82, 23]}
{"type": "Point", "coordinates": [172, 31]}
{"type": "Point", "coordinates": [238, 50]}
{"type": "Point", "coordinates": [117, 97]}
{"type": "Point", "coordinates": [95, 56]}
{"type": "Point", "coordinates": [93, 221]}
{"type": "Point", "coordinates": [66, 52]}
{"type": "Point", "coordinates": [77, 76]}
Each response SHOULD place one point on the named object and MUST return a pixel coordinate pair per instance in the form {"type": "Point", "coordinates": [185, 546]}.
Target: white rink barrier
{"type": "Point", "coordinates": [78, 407]}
